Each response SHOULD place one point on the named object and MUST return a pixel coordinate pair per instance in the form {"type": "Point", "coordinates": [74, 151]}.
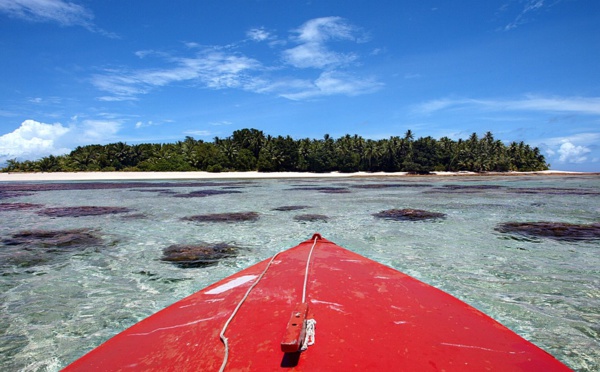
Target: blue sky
{"type": "Point", "coordinates": [78, 72]}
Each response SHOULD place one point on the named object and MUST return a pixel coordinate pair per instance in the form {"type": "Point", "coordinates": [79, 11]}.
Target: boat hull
{"type": "Point", "coordinates": [368, 317]}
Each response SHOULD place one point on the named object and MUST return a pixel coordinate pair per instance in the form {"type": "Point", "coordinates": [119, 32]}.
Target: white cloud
{"type": "Point", "coordinates": [258, 34]}
{"type": "Point", "coordinates": [224, 68]}
{"type": "Point", "coordinates": [570, 153]}
{"type": "Point", "coordinates": [526, 13]}
{"type": "Point", "coordinates": [581, 105]}
{"type": "Point", "coordinates": [312, 50]}
{"type": "Point", "coordinates": [192, 45]}
{"type": "Point", "coordinates": [33, 139]}
{"type": "Point", "coordinates": [319, 30]}
{"type": "Point", "coordinates": [432, 106]}
{"type": "Point", "coordinates": [316, 55]}
{"type": "Point", "coordinates": [333, 83]}
{"type": "Point", "coordinates": [578, 105]}
{"type": "Point", "coordinates": [62, 12]}
{"type": "Point", "coordinates": [97, 131]}
{"type": "Point", "coordinates": [588, 138]}
{"type": "Point", "coordinates": [213, 69]}
{"type": "Point", "coordinates": [220, 123]}
{"type": "Point", "coordinates": [116, 98]}
{"type": "Point", "coordinates": [141, 124]}
{"type": "Point", "coordinates": [201, 133]}
{"type": "Point", "coordinates": [573, 149]}
{"type": "Point", "coordinates": [143, 53]}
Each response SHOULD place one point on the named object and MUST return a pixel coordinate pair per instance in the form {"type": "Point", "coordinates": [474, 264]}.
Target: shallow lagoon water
{"type": "Point", "coordinates": [546, 290]}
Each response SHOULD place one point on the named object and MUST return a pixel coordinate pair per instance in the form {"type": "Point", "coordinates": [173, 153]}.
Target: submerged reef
{"type": "Point", "coordinates": [469, 189]}
{"type": "Point", "coordinates": [81, 211]}
{"type": "Point", "coordinates": [311, 217]}
{"type": "Point", "coordinates": [18, 206]}
{"type": "Point", "coordinates": [135, 216]}
{"type": "Point", "coordinates": [323, 189]}
{"type": "Point", "coordinates": [287, 208]}
{"type": "Point", "coordinates": [205, 193]}
{"type": "Point", "coordinates": [336, 191]}
{"type": "Point", "coordinates": [198, 255]}
{"type": "Point", "coordinates": [552, 230]}
{"type": "Point", "coordinates": [158, 191]}
{"type": "Point", "coordinates": [224, 217]}
{"type": "Point", "coordinates": [33, 247]}
{"type": "Point", "coordinates": [54, 238]}
{"type": "Point", "coordinates": [464, 189]}
{"type": "Point", "coordinates": [555, 191]}
{"type": "Point", "coordinates": [6, 194]}
{"type": "Point", "coordinates": [408, 215]}
{"type": "Point", "coordinates": [29, 187]}
{"type": "Point", "coordinates": [390, 185]}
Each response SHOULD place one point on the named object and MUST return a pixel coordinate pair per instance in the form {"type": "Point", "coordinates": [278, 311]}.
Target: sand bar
{"type": "Point", "coordinates": [128, 176]}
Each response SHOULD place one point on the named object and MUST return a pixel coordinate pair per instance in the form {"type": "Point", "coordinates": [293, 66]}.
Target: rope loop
{"type": "Point", "coordinates": [309, 339]}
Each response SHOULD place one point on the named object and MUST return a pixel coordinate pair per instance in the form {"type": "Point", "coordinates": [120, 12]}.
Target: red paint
{"type": "Point", "coordinates": [369, 317]}
{"type": "Point", "coordinates": [295, 330]}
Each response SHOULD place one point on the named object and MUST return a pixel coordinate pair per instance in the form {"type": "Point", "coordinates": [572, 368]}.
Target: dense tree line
{"type": "Point", "coordinates": [251, 149]}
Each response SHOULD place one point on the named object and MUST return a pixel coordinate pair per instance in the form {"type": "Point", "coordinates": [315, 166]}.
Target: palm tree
{"type": "Point", "coordinates": [251, 139]}
{"type": "Point", "coordinates": [347, 154]}
{"type": "Point", "coordinates": [370, 152]}
{"type": "Point", "coordinates": [83, 157]}
{"type": "Point", "coordinates": [48, 164]}
{"type": "Point", "coordinates": [12, 165]}
{"type": "Point", "coordinates": [303, 153]}
{"type": "Point", "coordinates": [229, 149]}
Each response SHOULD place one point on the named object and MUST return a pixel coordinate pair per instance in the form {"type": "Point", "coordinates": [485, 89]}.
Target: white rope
{"type": "Point", "coordinates": [310, 323]}
{"type": "Point", "coordinates": [222, 335]}
{"type": "Point", "coordinates": [309, 339]}
{"type": "Point", "coordinates": [306, 271]}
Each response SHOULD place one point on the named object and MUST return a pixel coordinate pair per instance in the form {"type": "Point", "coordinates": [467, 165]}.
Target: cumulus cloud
{"type": "Point", "coordinates": [33, 140]}
{"type": "Point", "coordinates": [570, 153]}
{"type": "Point", "coordinates": [574, 149]}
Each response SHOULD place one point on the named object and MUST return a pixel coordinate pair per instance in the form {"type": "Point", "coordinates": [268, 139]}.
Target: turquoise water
{"type": "Point", "coordinates": [546, 290]}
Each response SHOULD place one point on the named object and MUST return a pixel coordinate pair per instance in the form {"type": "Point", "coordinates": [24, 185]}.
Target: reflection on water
{"type": "Point", "coordinates": [61, 299]}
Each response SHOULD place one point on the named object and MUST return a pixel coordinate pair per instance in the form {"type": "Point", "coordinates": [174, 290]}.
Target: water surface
{"type": "Point", "coordinates": [58, 307]}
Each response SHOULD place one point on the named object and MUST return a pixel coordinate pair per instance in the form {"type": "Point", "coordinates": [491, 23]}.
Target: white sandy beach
{"type": "Point", "coordinates": [129, 176]}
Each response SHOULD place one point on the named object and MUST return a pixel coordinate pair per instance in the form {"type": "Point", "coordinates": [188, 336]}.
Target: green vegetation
{"type": "Point", "coordinates": [251, 149]}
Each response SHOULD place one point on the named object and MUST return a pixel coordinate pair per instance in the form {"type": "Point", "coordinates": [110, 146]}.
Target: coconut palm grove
{"type": "Point", "coordinates": [252, 150]}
